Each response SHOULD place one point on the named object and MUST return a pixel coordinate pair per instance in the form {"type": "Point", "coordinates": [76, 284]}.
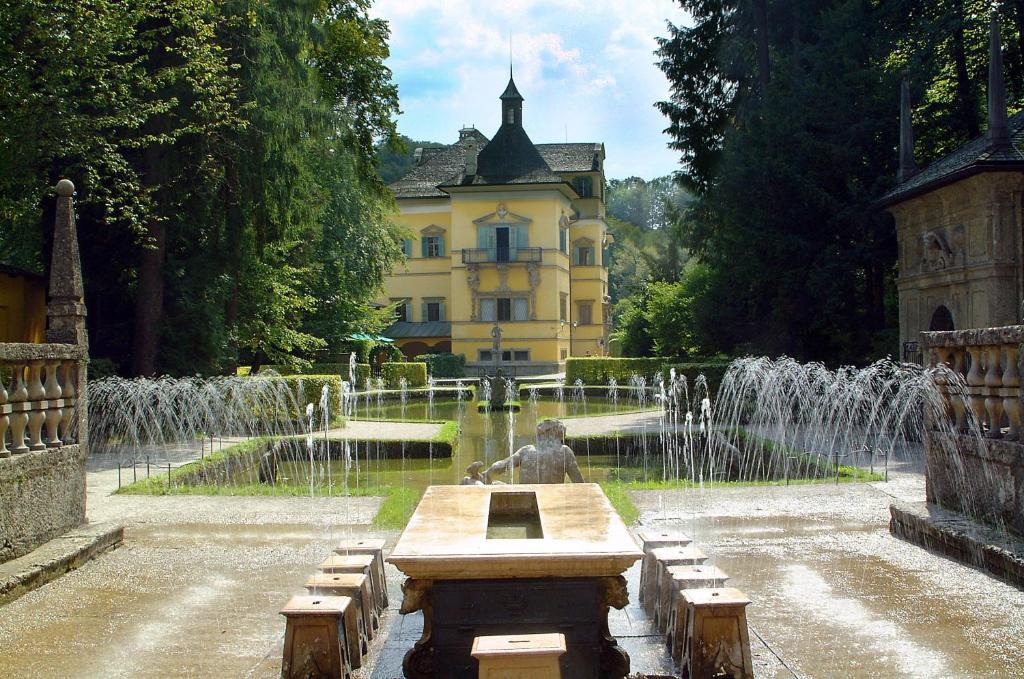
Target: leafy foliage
{"type": "Point", "coordinates": [786, 122]}
{"type": "Point", "coordinates": [223, 154]}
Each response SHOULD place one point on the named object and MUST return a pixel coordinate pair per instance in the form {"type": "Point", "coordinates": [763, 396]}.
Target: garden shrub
{"type": "Point", "coordinates": [415, 374]}
{"type": "Point", "coordinates": [445, 365]}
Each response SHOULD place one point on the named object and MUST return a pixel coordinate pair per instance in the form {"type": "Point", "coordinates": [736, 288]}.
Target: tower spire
{"type": "Point", "coordinates": [998, 130]}
{"type": "Point", "coordinates": [907, 164]}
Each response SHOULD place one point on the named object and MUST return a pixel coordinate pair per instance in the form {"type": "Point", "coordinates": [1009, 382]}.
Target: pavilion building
{"type": "Point", "coordinates": [960, 224]}
{"type": "Point", "coordinates": [506, 250]}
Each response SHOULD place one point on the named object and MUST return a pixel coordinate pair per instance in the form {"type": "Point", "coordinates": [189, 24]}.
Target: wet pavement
{"type": "Point", "coordinates": [835, 595]}
{"type": "Point", "coordinates": [196, 588]}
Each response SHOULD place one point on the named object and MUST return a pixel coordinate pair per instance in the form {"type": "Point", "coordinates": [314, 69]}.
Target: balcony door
{"type": "Point", "coordinates": [502, 238]}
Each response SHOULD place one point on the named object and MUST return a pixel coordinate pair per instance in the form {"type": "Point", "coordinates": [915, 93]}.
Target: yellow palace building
{"type": "Point", "coordinates": [507, 238]}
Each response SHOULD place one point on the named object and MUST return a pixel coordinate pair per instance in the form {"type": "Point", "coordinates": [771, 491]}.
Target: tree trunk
{"type": "Point", "coordinates": [965, 95]}
{"type": "Point", "coordinates": [763, 64]}
{"type": "Point", "coordinates": [149, 301]}
{"type": "Point", "coordinates": [233, 227]}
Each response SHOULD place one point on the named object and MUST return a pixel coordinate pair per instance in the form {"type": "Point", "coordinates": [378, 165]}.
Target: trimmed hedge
{"type": "Point", "coordinates": [445, 365]}
{"type": "Point", "coordinates": [362, 374]}
{"type": "Point", "coordinates": [415, 374]}
{"type": "Point", "coordinates": [307, 389]}
{"type": "Point", "coordinates": [597, 370]}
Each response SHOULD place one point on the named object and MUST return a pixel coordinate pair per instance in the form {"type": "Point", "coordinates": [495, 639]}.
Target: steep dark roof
{"type": "Point", "coordinates": [405, 329]}
{"type": "Point", "coordinates": [974, 156]}
{"type": "Point", "coordinates": [571, 157]}
{"type": "Point", "coordinates": [509, 158]}
{"type": "Point", "coordinates": [437, 166]}
{"type": "Point", "coordinates": [511, 91]}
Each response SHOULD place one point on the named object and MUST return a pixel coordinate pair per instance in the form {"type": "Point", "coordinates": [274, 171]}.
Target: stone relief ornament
{"type": "Point", "coordinates": [502, 210]}
{"type": "Point", "coordinates": [473, 280]}
{"type": "Point", "coordinates": [937, 254]}
{"type": "Point", "coordinates": [533, 274]}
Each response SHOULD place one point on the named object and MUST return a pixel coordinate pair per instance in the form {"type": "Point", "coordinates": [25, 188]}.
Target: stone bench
{"type": "Point", "coordinates": [519, 655]}
{"type": "Point", "coordinates": [315, 642]}
{"type": "Point", "coordinates": [360, 622]}
{"type": "Point", "coordinates": [714, 638]}
{"type": "Point", "coordinates": [675, 578]}
{"type": "Point", "coordinates": [663, 558]}
{"type": "Point", "coordinates": [653, 539]}
{"type": "Point", "coordinates": [375, 548]}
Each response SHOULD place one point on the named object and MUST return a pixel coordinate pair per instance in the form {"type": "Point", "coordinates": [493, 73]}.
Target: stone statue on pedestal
{"type": "Point", "coordinates": [550, 461]}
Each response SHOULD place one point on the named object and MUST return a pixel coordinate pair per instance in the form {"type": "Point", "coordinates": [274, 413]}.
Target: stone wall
{"type": "Point", "coordinates": [983, 479]}
{"type": "Point", "coordinates": [42, 495]}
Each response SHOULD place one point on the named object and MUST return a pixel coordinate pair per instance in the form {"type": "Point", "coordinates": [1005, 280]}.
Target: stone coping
{"type": "Point", "coordinates": [20, 352]}
{"type": "Point", "coordinates": [53, 559]}
{"type": "Point", "coordinates": [1008, 334]}
{"type": "Point", "coordinates": [953, 535]}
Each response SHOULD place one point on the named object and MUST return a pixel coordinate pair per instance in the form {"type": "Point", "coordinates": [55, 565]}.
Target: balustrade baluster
{"type": "Point", "coordinates": [36, 414]}
{"type": "Point", "coordinates": [976, 379]}
{"type": "Point", "coordinates": [69, 380]}
{"type": "Point", "coordinates": [994, 411]}
{"type": "Point", "coordinates": [53, 411]}
{"type": "Point", "coordinates": [19, 418]}
{"type": "Point", "coordinates": [993, 374]}
{"type": "Point", "coordinates": [4, 419]}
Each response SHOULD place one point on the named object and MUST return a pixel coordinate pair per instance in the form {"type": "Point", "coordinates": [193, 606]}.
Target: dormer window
{"type": "Point", "coordinates": [584, 186]}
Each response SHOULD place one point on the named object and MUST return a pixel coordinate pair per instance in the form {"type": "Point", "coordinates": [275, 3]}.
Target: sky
{"type": "Point", "coordinates": [585, 69]}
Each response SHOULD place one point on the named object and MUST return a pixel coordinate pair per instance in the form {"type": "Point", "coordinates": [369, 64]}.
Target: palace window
{"type": "Point", "coordinates": [563, 303]}
{"type": "Point", "coordinates": [585, 312]}
{"type": "Point", "coordinates": [402, 310]}
{"type": "Point", "coordinates": [507, 355]}
{"type": "Point", "coordinates": [433, 310]}
{"type": "Point", "coordinates": [563, 240]}
{"type": "Point", "coordinates": [407, 248]}
{"type": "Point", "coordinates": [504, 309]}
{"type": "Point", "coordinates": [432, 246]}
{"type": "Point", "coordinates": [583, 255]}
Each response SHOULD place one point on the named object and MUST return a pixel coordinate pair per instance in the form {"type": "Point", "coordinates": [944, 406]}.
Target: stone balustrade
{"type": "Point", "coordinates": [988, 361]}
{"type": "Point", "coordinates": [39, 389]}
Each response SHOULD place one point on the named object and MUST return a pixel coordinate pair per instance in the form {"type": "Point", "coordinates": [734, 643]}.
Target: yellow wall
{"type": "Point", "coordinates": [22, 309]}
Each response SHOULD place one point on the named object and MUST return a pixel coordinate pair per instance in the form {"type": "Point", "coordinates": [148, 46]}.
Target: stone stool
{"type": "Point", "coordinates": [375, 548]}
{"type": "Point", "coordinates": [519, 655]}
{"type": "Point", "coordinates": [664, 557]}
{"type": "Point", "coordinates": [675, 578]}
{"type": "Point", "coordinates": [715, 638]}
{"type": "Point", "coordinates": [359, 620]}
{"type": "Point", "coordinates": [314, 638]}
{"type": "Point", "coordinates": [652, 539]}
{"type": "Point", "coordinates": [353, 563]}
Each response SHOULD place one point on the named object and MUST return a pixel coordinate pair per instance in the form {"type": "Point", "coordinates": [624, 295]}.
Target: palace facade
{"type": "Point", "coordinates": [505, 238]}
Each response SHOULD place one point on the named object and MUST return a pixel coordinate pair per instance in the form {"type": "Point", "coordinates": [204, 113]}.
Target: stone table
{"type": "Point", "coordinates": [516, 559]}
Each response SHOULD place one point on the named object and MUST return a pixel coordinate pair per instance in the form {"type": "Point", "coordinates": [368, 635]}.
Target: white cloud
{"type": "Point", "coordinates": [586, 70]}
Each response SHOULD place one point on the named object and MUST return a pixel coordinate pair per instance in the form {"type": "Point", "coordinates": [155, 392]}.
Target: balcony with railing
{"type": "Point", "coordinates": [501, 255]}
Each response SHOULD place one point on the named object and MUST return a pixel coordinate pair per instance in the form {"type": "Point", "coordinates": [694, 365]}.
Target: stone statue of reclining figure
{"type": "Point", "coordinates": [550, 461]}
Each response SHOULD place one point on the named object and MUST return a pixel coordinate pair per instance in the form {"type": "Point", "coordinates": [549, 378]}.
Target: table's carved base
{"type": "Point", "coordinates": [469, 608]}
